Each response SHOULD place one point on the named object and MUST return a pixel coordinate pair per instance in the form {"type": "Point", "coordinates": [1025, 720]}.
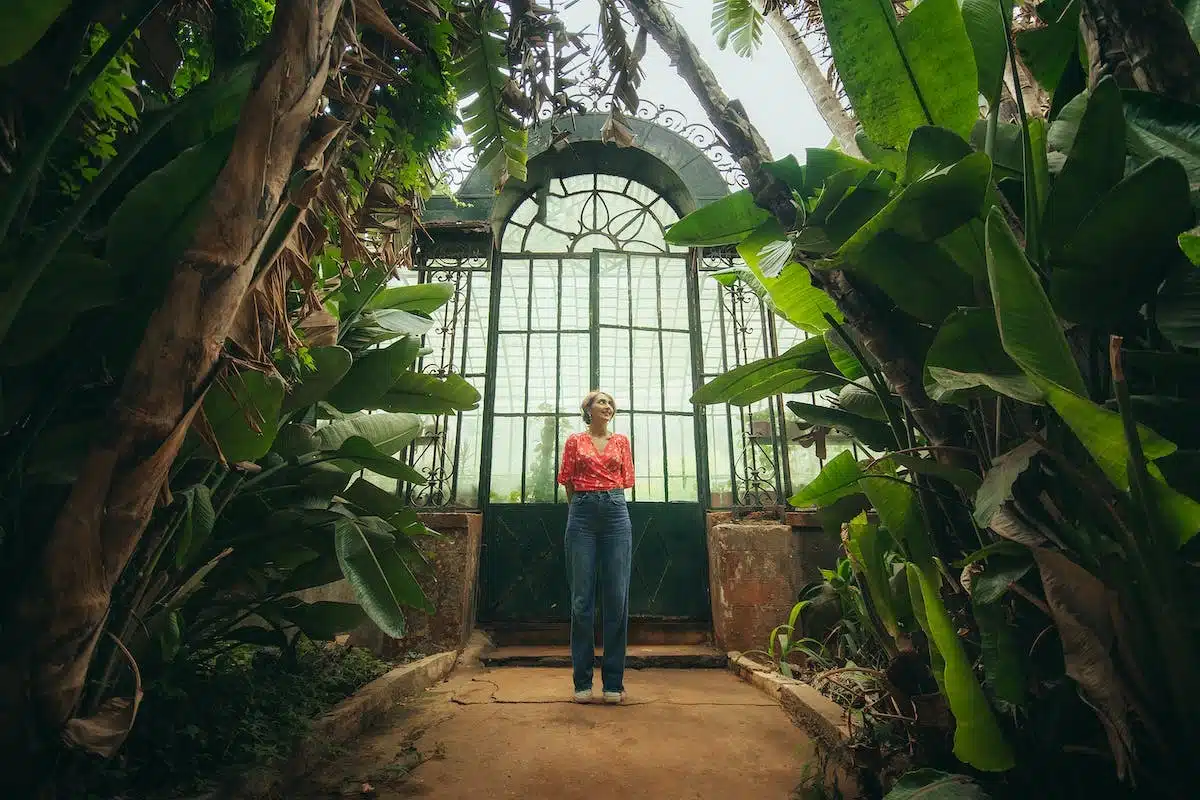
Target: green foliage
{"type": "Point", "coordinates": [900, 76]}
{"type": "Point", "coordinates": [205, 719]}
{"type": "Point", "coordinates": [494, 130]}
{"type": "Point", "coordinates": [1042, 450]}
{"type": "Point", "coordinates": [24, 24]}
{"type": "Point", "coordinates": [737, 23]}
{"type": "Point", "coordinates": [932, 784]}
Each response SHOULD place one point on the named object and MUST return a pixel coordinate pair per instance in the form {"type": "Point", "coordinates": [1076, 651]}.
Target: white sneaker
{"type": "Point", "coordinates": [614, 698]}
{"type": "Point", "coordinates": [583, 697]}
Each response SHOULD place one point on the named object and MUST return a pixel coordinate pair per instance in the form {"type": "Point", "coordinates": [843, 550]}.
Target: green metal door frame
{"type": "Point", "coordinates": [671, 572]}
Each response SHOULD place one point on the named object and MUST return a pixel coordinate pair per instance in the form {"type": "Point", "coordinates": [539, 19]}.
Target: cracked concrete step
{"type": "Point", "coordinates": [671, 656]}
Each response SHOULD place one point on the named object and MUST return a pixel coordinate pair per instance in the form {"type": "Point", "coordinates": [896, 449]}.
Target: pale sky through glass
{"type": "Point", "coordinates": [766, 84]}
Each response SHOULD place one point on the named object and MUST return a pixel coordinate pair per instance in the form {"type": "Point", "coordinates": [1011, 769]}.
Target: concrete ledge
{"type": "Point", "coordinates": [349, 718]}
{"type": "Point", "coordinates": [814, 713]}
{"type": "Point", "coordinates": [636, 657]}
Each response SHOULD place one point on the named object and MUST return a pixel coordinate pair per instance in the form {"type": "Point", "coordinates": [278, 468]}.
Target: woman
{"type": "Point", "coordinates": [597, 466]}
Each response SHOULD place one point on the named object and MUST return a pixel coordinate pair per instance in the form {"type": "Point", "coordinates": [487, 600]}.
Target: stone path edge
{"type": "Point", "coordinates": [814, 713]}
{"type": "Point", "coordinates": [349, 718]}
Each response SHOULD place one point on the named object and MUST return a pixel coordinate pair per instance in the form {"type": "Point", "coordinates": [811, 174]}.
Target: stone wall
{"type": "Point", "coordinates": [757, 568]}
{"type": "Point", "coordinates": [455, 561]}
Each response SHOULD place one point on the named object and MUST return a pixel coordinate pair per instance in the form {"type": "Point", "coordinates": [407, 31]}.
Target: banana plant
{"type": "Point", "coordinates": [301, 505]}
{"type": "Point", "coordinates": [1043, 278]}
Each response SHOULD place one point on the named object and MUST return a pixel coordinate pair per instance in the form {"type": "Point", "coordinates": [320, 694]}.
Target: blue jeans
{"type": "Point", "coordinates": [599, 534]}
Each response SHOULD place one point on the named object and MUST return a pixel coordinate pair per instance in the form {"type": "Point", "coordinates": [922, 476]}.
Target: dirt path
{"type": "Point", "coordinates": [512, 733]}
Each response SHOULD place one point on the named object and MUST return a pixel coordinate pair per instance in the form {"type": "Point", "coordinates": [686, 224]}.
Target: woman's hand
{"type": "Point", "coordinates": [570, 492]}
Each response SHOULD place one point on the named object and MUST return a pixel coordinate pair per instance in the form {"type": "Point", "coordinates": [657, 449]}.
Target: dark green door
{"type": "Point", "coordinates": [565, 324]}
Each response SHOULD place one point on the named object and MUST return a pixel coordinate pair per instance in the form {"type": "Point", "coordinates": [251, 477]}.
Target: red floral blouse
{"type": "Point", "coordinates": [585, 469]}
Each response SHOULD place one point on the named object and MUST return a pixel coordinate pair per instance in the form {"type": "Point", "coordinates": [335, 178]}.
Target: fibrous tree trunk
{"type": "Point", "coordinates": [841, 124]}
{"type": "Point", "coordinates": [61, 610]}
{"type": "Point", "coordinates": [902, 369]}
{"type": "Point", "coordinates": [1143, 44]}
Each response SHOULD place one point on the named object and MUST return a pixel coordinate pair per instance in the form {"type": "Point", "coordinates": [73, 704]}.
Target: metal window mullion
{"type": "Point", "coordinates": [700, 417]}
{"type": "Point", "coordinates": [469, 277]}
{"type": "Point", "coordinates": [771, 349]}
{"type": "Point", "coordinates": [785, 461]}
{"type": "Point", "coordinates": [594, 320]}
{"type": "Point", "coordinates": [629, 314]}
{"type": "Point", "coordinates": [528, 348]}
{"type": "Point", "coordinates": [662, 375]}
{"type": "Point", "coordinates": [721, 314]}
{"type": "Point", "coordinates": [489, 387]}
{"type": "Point", "coordinates": [557, 372]}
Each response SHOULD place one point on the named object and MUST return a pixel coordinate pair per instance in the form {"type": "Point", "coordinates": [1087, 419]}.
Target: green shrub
{"type": "Point", "coordinates": [204, 719]}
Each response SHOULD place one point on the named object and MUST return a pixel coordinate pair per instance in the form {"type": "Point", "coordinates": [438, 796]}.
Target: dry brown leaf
{"type": "Point", "coordinates": [320, 328]}
{"type": "Point", "coordinates": [105, 731]}
{"type": "Point", "coordinates": [1081, 607]}
{"type": "Point", "coordinates": [1006, 522]}
{"type": "Point", "coordinates": [372, 15]}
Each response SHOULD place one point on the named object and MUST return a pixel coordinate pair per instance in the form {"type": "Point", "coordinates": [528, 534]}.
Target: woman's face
{"type": "Point", "coordinates": [603, 408]}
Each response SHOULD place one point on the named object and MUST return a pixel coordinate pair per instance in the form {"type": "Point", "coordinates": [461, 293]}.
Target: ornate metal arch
{"type": "Point", "coordinates": [686, 162]}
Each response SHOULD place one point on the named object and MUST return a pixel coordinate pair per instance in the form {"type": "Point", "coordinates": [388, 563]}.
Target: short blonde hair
{"type": "Point", "coordinates": [586, 405]}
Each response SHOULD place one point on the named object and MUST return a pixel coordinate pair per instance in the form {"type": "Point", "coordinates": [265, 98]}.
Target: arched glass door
{"type": "Point", "coordinates": [588, 294]}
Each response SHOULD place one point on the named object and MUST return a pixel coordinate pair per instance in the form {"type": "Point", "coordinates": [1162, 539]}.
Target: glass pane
{"type": "Point", "coordinates": [614, 289]}
{"type": "Point", "coordinates": [525, 212]}
{"type": "Point", "coordinates": [711, 320]}
{"type": "Point", "coordinates": [571, 214]}
{"type": "Point", "coordinates": [579, 183]}
{"type": "Point", "coordinates": [445, 337]}
{"type": "Point", "coordinates": [662, 209]}
{"type": "Point", "coordinates": [673, 277]}
{"type": "Point", "coordinates": [433, 457]}
{"type": "Point", "coordinates": [510, 372]}
{"type": "Point", "coordinates": [573, 371]}
{"type": "Point", "coordinates": [748, 326]}
{"type": "Point", "coordinates": [645, 291]}
{"type": "Point", "coordinates": [677, 371]}
{"type": "Point", "coordinates": [507, 439]}
{"type": "Point", "coordinates": [575, 294]}
{"type": "Point", "coordinates": [543, 372]}
{"type": "Point", "coordinates": [681, 460]}
{"type": "Point", "coordinates": [613, 183]}
{"type": "Point", "coordinates": [648, 458]}
{"type": "Point", "coordinates": [544, 240]}
{"type": "Point", "coordinates": [542, 449]}
{"type": "Point", "coordinates": [647, 371]}
{"type": "Point", "coordinates": [389, 485]}
{"type": "Point", "coordinates": [475, 362]}
{"type": "Point", "coordinates": [469, 442]}
{"type": "Point", "coordinates": [787, 335]}
{"type": "Point", "coordinates": [614, 365]}
{"type": "Point", "coordinates": [593, 241]}
{"type": "Point", "coordinates": [720, 484]}
{"type": "Point", "coordinates": [514, 295]}
{"type": "Point", "coordinates": [545, 295]}
{"type": "Point", "coordinates": [756, 461]}
{"type": "Point", "coordinates": [635, 224]}
{"type": "Point", "coordinates": [514, 238]}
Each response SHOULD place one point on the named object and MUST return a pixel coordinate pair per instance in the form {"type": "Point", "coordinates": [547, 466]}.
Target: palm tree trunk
{"type": "Point", "coordinates": [1143, 44]}
{"type": "Point", "coordinates": [61, 610]}
{"type": "Point", "coordinates": [841, 124]}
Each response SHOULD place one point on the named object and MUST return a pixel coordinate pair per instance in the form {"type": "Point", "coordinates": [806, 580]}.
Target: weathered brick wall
{"type": "Point", "coordinates": [455, 562]}
{"type": "Point", "coordinates": [756, 571]}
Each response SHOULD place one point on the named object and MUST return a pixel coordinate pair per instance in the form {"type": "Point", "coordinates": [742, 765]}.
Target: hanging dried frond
{"type": "Point", "coordinates": [625, 61]}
